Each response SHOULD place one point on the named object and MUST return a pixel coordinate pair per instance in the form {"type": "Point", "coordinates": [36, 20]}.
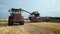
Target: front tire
{"type": "Point", "coordinates": [22, 23]}
{"type": "Point", "coordinates": [10, 22]}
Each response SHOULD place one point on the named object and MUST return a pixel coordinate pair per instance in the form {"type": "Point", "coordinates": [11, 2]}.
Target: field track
{"type": "Point", "coordinates": [30, 28]}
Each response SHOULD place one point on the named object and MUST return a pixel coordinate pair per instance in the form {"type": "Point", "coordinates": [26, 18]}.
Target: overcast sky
{"type": "Point", "coordinates": [45, 7]}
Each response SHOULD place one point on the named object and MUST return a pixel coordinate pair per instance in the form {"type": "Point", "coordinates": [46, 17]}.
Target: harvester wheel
{"type": "Point", "coordinates": [10, 22]}
{"type": "Point", "coordinates": [22, 23]}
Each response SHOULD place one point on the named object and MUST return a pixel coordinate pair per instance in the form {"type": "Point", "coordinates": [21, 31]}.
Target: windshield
{"type": "Point", "coordinates": [16, 12]}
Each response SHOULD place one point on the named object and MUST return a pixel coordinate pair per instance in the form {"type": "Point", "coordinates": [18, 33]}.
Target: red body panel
{"type": "Point", "coordinates": [17, 20]}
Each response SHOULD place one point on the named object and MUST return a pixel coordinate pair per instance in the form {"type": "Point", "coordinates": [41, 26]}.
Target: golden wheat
{"type": "Point", "coordinates": [30, 28]}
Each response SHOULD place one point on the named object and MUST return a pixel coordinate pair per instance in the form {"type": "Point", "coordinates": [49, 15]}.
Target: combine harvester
{"type": "Point", "coordinates": [16, 16]}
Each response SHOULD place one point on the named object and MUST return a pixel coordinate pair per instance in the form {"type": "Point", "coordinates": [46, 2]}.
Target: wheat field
{"type": "Point", "coordinates": [30, 28]}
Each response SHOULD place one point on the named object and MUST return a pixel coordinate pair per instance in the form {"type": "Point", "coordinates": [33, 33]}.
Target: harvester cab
{"type": "Point", "coordinates": [14, 11]}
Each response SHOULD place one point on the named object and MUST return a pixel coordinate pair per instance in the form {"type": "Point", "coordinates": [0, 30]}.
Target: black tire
{"type": "Point", "coordinates": [22, 23]}
{"type": "Point", "coordinates": [10, 22]}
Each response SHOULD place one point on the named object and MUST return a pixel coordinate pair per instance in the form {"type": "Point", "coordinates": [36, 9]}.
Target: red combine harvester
{"type": "Point", "coordinates": [15, 16]}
